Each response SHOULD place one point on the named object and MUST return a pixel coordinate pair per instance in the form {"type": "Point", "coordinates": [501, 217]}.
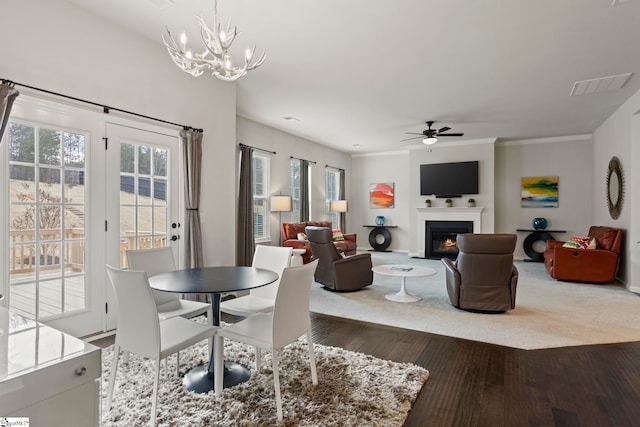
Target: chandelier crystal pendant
{"type": "Point", "coordinates": [215, 56]}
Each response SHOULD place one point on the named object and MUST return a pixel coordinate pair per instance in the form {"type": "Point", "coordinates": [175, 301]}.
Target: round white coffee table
{"type": "Point", "coordinates": [403, 271]}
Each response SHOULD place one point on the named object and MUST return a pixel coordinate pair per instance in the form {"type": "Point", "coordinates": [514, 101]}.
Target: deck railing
{"type": "Point", "coordinates": [65, 249]}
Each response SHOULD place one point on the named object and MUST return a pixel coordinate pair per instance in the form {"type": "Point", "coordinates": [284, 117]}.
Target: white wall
{"type": "Point", "coordinates": [403, 169]}
{"type": "Point", "coordinates": [286, 145]}
{"type": "Point", "coordinates": [570, 159]}
{"type": "Point", "coordinates": [619, 136]}
{"type": "Point", "coordinates": [64, 49]}
{"type": "Point", "coordinates": [375, 168]}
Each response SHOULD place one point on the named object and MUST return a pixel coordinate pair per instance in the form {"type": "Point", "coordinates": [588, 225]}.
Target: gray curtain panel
{"type": "Point", "coordinates": [8, 94]}
{"type": "Point", "coordinates": [342, 196]}
{"type": "Point", "coordinates": [304, 190]}
{"type": "Point", "coordinates": [245, 241]}
{"type": "Point", "coordinates": [192, 232]}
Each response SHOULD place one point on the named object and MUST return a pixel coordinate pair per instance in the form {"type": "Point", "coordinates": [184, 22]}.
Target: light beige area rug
{"type": "Point", "coordinates": [353, 390]}
{"type": "Point", "coordinates": [548, 313]}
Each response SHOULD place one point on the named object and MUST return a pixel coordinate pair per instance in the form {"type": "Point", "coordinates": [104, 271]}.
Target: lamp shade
{"type": "Point", "coordinates": [338, 206]}
{"type": "Point", "coordinates": [280, 203]}
{"type": "Point", "coordinates": [430, 140]}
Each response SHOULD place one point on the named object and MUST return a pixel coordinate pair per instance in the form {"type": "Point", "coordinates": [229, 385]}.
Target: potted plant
{"type": "Point", "coordinates": [427, 203]}
{"type": "Point", "coordinates": [471, 202]}
{"type": "Point", "coordinates": [448, 203]}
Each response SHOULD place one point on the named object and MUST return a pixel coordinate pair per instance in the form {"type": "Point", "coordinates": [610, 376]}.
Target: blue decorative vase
{"type": "Point", "coordinates": [539, 223]}
{"type": "Point", "coordinates": [379, 220]}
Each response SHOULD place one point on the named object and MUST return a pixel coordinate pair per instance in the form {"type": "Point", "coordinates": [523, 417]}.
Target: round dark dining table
{"type": "Point", "coordinates": [213, 281]}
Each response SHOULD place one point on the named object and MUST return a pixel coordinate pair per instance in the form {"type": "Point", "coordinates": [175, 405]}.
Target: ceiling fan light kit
{"type": "Point", "coordinates": [430, 136]}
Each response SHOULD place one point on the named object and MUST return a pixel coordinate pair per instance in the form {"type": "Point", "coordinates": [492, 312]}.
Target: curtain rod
{"type": "Point", "coordinates": [310, 161]}
{"type": "Point", "coordinates": [257, 148]}
{"type": "Point", "coordinates": [334, 167]}
{"type": "Point", "coordinates": [105, 108]}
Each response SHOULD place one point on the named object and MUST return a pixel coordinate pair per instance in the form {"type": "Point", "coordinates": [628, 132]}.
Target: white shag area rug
{"type": "Point", "coordinates": [353, 390]}
{"type": "Point", "coordinates": [548, 313]}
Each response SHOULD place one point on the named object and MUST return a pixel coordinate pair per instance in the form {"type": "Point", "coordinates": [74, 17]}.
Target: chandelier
{"type": "Point", "coordinates": [215, 56]}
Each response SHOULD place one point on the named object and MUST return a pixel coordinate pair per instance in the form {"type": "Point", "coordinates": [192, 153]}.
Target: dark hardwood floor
{"type": "Point", "coordinates": [478, 384]}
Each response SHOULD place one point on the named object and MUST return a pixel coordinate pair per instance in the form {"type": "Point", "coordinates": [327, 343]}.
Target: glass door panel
{"type": "Point", "coordinates": [46, 221]}
{"type": "Point", "coordinates": [143, 206]}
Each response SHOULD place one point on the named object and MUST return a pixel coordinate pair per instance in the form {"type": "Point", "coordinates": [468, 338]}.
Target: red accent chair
{"type": "Point", "coordinates": [598, 265]}
{"type": "Point", "coordinates": [290, 238]}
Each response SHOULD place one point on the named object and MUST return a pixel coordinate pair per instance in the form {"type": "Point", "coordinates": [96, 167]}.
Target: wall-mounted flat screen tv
{"type": "Point", "coordinates": [449, 179]}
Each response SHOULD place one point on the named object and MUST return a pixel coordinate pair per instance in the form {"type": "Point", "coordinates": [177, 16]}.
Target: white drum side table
{"type": "Point", "coordinates": [296, 257]}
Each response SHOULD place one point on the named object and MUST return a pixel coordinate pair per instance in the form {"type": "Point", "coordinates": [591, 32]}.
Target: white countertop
{"type": "Point", "coordinates": [27, 346]}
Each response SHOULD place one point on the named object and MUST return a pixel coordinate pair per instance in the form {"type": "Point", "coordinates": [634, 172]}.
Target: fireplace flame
{"type": "Point", "coordinates": [449, 243]}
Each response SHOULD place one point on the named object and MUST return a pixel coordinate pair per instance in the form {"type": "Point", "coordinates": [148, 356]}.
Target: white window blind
{"type": "Point", "coordinates": [260, 165]}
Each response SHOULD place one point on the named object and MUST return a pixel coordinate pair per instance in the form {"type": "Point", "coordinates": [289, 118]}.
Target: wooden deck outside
{"type": "Point", "coordinates": [57, 294]}
{"type": "Point", "coordinates": [50, 297]}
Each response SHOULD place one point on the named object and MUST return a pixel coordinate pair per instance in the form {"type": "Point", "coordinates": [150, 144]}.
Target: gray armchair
{"type": "Point", "coordinates": [334, 272]}
{"type": "Point", "coordinates": [483, 277]}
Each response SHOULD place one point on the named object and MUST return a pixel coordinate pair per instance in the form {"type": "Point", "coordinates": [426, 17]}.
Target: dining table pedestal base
{"type": "Point", "coordinates": [200, 379]}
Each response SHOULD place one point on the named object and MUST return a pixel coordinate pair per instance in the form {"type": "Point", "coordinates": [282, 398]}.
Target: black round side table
{"type": "Point", "coordinates": [537, 236]}
{"type": "Point", "coordinates": [377, 232]}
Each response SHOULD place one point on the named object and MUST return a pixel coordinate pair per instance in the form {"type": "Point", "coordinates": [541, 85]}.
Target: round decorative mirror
{"type": "Point", "coordinates": [615, 187]}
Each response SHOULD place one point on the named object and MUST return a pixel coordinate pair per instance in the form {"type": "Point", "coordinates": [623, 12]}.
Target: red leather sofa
{"type": "Point", "coordinates": [290, 238]}
{"type": "Point", "coordinates": [598, 265]}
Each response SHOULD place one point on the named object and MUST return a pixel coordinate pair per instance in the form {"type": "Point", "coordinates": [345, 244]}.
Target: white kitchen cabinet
{"type": "Point", "coordinates": [47, 375]}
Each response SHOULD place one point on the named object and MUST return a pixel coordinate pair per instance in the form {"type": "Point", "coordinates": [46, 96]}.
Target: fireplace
{"type": "Point", "coordinates": [440, 238]}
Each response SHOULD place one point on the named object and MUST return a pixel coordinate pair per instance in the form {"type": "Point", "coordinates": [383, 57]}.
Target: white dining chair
{"type": "Point", "coordinates": [261, 300]}
{"type": "Point", "coordinates": [160, 260]}
{"type": "Point", "coordinates": [273, 331]}
{"type": "Point", "coordinates": [169, 304]}
{"type": "Point", "coordinates": [140, 330]}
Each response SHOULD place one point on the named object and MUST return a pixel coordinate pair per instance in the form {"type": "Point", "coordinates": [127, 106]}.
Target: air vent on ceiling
{"type": "Point", "coordinates": [161, 4]}
{"type": "Point", "coordinates": [603, 84]}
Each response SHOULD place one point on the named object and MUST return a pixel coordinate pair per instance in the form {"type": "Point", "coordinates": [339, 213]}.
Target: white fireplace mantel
{"type": "Point", "coordinates": [445, 214]}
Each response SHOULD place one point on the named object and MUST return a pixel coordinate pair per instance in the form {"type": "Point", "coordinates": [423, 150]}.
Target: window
{"type": "Point", "coordinates": [260, 164]}
{"type": "Point", "coordinates": [332, 192]}
{"type": "Point", "coordinates": [295, 190]}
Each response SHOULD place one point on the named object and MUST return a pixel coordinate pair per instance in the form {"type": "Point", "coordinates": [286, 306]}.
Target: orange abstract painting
{"type": "Point", "coordinates": [381, 195]}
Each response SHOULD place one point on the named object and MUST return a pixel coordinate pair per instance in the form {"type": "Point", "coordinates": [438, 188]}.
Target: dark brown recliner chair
{"type": "Point", "coordinates": [483, 277]}
{"type": "Point", "coordinates": [335, 272]}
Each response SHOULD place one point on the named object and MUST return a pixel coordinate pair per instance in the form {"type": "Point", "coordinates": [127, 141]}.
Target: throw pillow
{"type": "Point", "coordinates": [302, 236]}
{"type": "Point", "coordinates": [337, 234]}
{"type": "Point", "coordinates": [577, 242]}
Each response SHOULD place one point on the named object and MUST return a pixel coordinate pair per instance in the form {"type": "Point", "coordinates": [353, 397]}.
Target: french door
{"type": "Point", "coordinates": [49, 163]}
{"type": "Point", "coordinates": [142, 196]}
{"type": "Point", "coordinates": [77, 192]}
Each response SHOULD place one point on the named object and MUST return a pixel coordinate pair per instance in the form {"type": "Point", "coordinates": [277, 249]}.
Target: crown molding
{"type": "Point", "coordinates": [568, 138]}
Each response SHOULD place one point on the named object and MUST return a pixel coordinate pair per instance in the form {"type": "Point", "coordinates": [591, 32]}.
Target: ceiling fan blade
{"type": "Point", "coordinates": [415, 137]}
{"type": "Point", "coordinates": [413, 133]}
{"type": "Point", "coordinates": [444, 129]}
{"type": "Point", "coordinates": [451, 134]}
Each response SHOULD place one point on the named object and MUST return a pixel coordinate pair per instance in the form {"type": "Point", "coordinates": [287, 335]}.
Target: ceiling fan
{"type": "Point", "coordinates": [430, 136]}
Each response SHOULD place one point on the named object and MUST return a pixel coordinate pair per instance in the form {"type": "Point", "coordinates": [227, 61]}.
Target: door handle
{"type": "Point", "coordinates": [174, 238]}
